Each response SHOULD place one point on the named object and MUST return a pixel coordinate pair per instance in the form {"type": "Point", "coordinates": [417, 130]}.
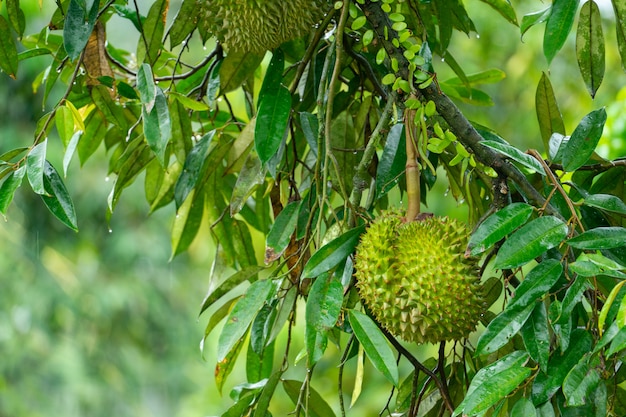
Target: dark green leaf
{"type": "Point", "coordinates": [79, 23]}
{"type": "Point", "coordinates": [35, 167]}
{"type": "Point", "coordinates": [590, 46]}
{"type": "Point", "coordinates": [345, 148]}
{"type": "Point", "coordinates": [558, 26]}
{"type": "Point", "coordinates": [187, 222]}
{"type": "Point", "coordinates": [16, 16]}
{"type": "Point", "coordinates": [242, 315]}
{"type": "Point", "coordinates": [502, 329]}
{"type": "Point", "coordinates": [515, 154]}
{"type": "Point", "coordinates": [536, 336]}
{"type": "Point", "coordinates": [57, 199]}
{"type": "Point", "coordinates": [392, 162]}
{"type": "Point", "coordinates": [620, 26]}
{"type": "Point", "coordinates": [532, 19]}
{"type": "Point", "coordinates": [548, 113]}
{"type": "Point", "coordinates": [504, 8]}
{"type": "Point", "coordinates": [273, 75]}
{"type": "Point", "coordinates": [249, 274]}
{"type": "Point", "coordinates": [95, 131]}
{"type": "Point", "coordinates": [8, 187]}
{"type": "Point", "coordinates": [157, 126]}
{"type": "Point", "coordinates": [250, 177]}
{"type": "Point", "coordinates": [580, 384]}
{"type": "Point", "coordinates": [192, 170]}
{"type": "Point", "coordinates": [606, 202]}
{"type": "Point", "coordinates": [599, 238]}
{"type": "Point", "coordinates": [316, 405]}
{"type": "Point", "coordinates": [112, 112]}
{"type": "Point", "coordinates": [271, 122]}
{"type": "Point", "coordinates": [375, 345]}
{"type": "Point", "coordinates": [618, 344]}
{"type": "Point", "coordinates": [530, 241]}
{"type": "Point", "coordinates": [546, 384]}
{"type": "Point", "coordinates": [184, 23]}
{"type": "Point", "coordinates": [497, 226]}
{"type": "Point", "coordinates": [523, 408]}
{"type": "Point", "coordinates": [151, 40]}
{"type": "Point", "coordinates": [280, 234]}
{"type": "Point", "coordinates": [236, 68]}
{"type": "Point", "coordinates": [146, 86]}
{"type": "Point", "coordinates": [333, 253]}
{"type": "Point", "coordinates": [584, 140]}
{"type": "Point", "coordinates": [536, 284]}
{"type": "Point", "coordinates": [322, 311]}
{"type": "Point", "coordinates": [8, 49]}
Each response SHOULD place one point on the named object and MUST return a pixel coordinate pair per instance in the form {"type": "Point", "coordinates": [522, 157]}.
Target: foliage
{"type": "Point", "coordinates": [345, 121]}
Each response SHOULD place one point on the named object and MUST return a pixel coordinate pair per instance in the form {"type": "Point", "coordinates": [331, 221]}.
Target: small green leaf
{"type": "Point", "coordinates": [599, 238]}
{"type": "Point", "coordinates": [548, 112]}
{"type": "Point", "coordinates": [189, 103]}
{"type": "Point", "coordinates": [8, 187]}
{"type": "Point", "coordinates": [502, 328]}
{"type": "Point", "coordinates": [536, 336]}
{"type": "Point", "coordinates": [515, 154]}
{"type": "Point", "coordinates": [250, 177]}
{"type": "Point", "coordinates": [242, 315]}
{"type": "Point", "coordinates": [590, 46]}
{"type": "Point", "coordinates": [316, 405]}
{"type": "Point", "coordinates": [392, 162]}
{"type": "Point", "coordinates": [236, 68]}
{"type": "Point", "coordinates": [35, 167]}
{"type": "Point", "coordinates": [497, 226]}
{"type": "Point", "coordinates": [530, 241]}
{"type": "Point", "coordinates": [333, 253]}
{"type": "Point", "coordinates": [375, 345]}
{"type": "Point", "coordinates": [606, 202]}
{"type": "Point", "coordinates": [271, 122]}
{"type": "Point", "coordinates": [584, 140]}
{"type": "Point", "coordinates": [280, 233]}
{"type": "Point", "coordinates": [57, 199]}
{"type": "Point", "coordinates": [192, 170]}
{"type": "Point", "coordinates": [153, 27]}
{"type": "Point", "coordinates": [80, 20]}
{"type": "Point", "coordinates": [589, 265]}
{"type": "Point", "coordinates": [558, 26]}
{"type": "Point", "coordinates": [146, 86]}
{"type": "Point", "coordinates": [322, 312]}
{"type": "Point", "coordinates": [157, 126]}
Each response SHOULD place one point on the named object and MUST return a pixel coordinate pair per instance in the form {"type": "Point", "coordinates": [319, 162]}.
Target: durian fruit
{"type": "Point", "coordinates": [415, 279]}
{"type": "Point", "coordinates": [259, 25]}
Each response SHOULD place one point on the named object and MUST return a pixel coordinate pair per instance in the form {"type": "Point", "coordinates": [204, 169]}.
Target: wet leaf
{"type": "Point", "coordinates": [584, 140]}
{"type": "Point", "coordinates": [35, 167]}
{"type": "Point", "coordinates": [187, 222]}
{"type": "Point", "coordinates": [516, 155]}
{"type": "Point", "coordinates": [536, 284]}
{"type": "Point", "coordinates": [392, 162]}
{"type": "Point", "coordinates": [505, 8]}
{"type": "Point", "coordinates": [322, 311]}
{"type": "Point", "coordinates": [333, 253]}
{"type": "Point", "coordinates": [8, 187]}
{"type": "Point", "coordinates": [271, 122]}
{"type": "Point", "coordinates": [548, 112]}
{"type": "Point", "coordinates": [606, 202]}
{"type": "Point", "coordinates": [558, 26]}
{"type": "Point", "coordinates": [236, 68]}
{"type": "Point", "coordinates": [599, 238]}
{"type": "Point", "coordinates": [502, 328]}
{"type": "Point", "coordinates": [153, 28]}
{"type": "Point", "coordinates": [80, 19]}
{"type": "Point", "coordinates": [535, 18]}
{"type": "Point", "coordinates": [536, 336]}
{"type": "Point", "coordinates": [157, 126]}
{"type": "Point", "coordinates": [580, 384]}
{"type": "Point", "coordinates": [280, 233]}
{"type": "Point", "coordinates": [590, 46]}
{"type": "Point", "coordinates": [146, 86]}
{"type": "Point", "coordinates": [192, 170]}
{"type": "Point", "coordinates": [57, 199]}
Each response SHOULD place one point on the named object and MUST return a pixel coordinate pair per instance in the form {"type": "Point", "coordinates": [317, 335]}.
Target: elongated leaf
{"type": "Point", "coordinates": [157, 126]}
{"type": "Point", "coordinates": [146, 86]}
{"type": "Point", "coordinates": [493, 383]}
{"type": "Point", "coordinates": [70, 150]}
{"type": "Point", "coordinates": [532, 19]}
{"type": "Point", "coordinates": [523, 408]}
{"type": "Point", "coordinates": [184, 23]}
{"type": "Point", "coordinates": [263, 402]}
{"type": "Point", "coordinates": [16, 16]}
{"type": "Point", "coordinates": [249, 274]}
{"type": "Point", "coordinates": [589, 265]}
{"type": "Point", "coordinates": [584, 140]}
{"type": "Point", "coordinates": [392, 162]}
{"type": "Point", "coordinates": [225, 365]}
{"type": "Point", "coordinates": [607, 306]}
{"type": "Point", "coordinates": [580, 384]}
{"type": "Point", "coordinates": [271, 122]}
{"type": "Point", "coordinates": [501, 329]}
{"type": "Point", "coordinates": [333, 253]}
{"type": "Point", "coordinates": [250, 177]}
{"type": "Point", "coordinates": [281, 231]}
{"type": "Point", "coordinates": [558, 26]}
{"type": "Point", "coordinates": [316, 405]}
{"type": "Point", "coordinates": [531, 241]}
{"type": "Point", "coordinates": [151, 40]}
{"type": "Point", "coordinates": [618, 343]}
{"type": "Point", "coordinates": [548, 112]}
{"type": "Point", "coordinates": [606, 202]}
{"type": "Point", "coordinates": [536, 336]}
{"type": "Point", "coordinates": [236, 68]}
{"type": "Point", "coordinates": [375, 345]}
{"type": "Point", "coordinates": [8, 187]}
{"type": "Point", "coordinates": [497, 226]}
{"type": "Point", "coordinates": [515, 154]}
{"type": "Point", "coordinates": [322, 311]}
{"type": "Point", "coordinates": [192, 170]}
{"type": "Point", "coordinates": [187, 222]}
{"type": "Point", "coordinates": [536, 284]}
{"type": "Point", "coordinates": [95, 130]}
{"type": "Point", "coordinates": [57, 199]}
{"type": "Point", "coordinates": [590, 46]}
{"type": "Point", "coordinates": [546, 384]}
{"type": "Point", "coordinates": [64, 121]}
{"type": "Point", "coordinates": [112, 112]}
{"type": "Point", "coordinates": [599, 238]}
{"type": "Point", "coordinates": [504, 8]}
{"type": "Point", "coordinates": [242, 315]}
{"type": "Point", "coordinates": [620, 26]}
{"type": "Point", "coordinates": [35, 167]}
{"type": "Point", "coordinates": [273, 74]}
{"type": "Point", "coordinates": [80, 20]}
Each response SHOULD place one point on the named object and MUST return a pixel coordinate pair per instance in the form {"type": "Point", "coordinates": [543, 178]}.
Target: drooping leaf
{"type": "Point", "coordinates": [536, 336]}
{"type": "Point", "coordinates": [57, 198]}
{"type": "Point", "coordinates": [16, 17]}
{"type": "Point", "coordinates": [8, 187]}
{"type": "Point", "coordinates": [548, 112]}
{"type": "Point", "coordinates": [64, 121]}
{"type": "Point", "coordinates": [619, 7]}
{"type": "Point", "coordinates": [184, 23]}
{"type": "Point", "coordinates": [504, 8]}
{"type": "Point", "coordinates": [241, 316]}
{"type": "Point", "coordinates": [584, 140]}
{"type": "Point", "coordinates": [225, 365]}
{"type": "Point", "coordinates": [146, 86]}
{"type": "Point", "coordinates": [157, 126]}
{"type": "Point", "coordinates": [271, 122]}
{"type": "Point", "coordinates": [536, 284]}
{"type": "Point", "coordinates": [558, 26]}
{"type": "Point", "coordinates": [187, 222]}
{"type": "Point", "coordinates": [35, 167]}
{"type": "Point", "coordinates": [248, 274]}
{"type": "Point", "coordinates": [192, 170]}
{"type": "Point", "coordinates": [316, 404]}
{"type": "Point", "coordinates": [580, 383]}
{"type": "Point", "coordinates": [502, 328]}
{"type": "Point", "coordinates": [251, 175]}
{"type": "Point", "coordinates": [273, 75]}
{"type": "Point", "coordinates": [95, 131]}
{"type": "Point", "coordinates": [151, 40]}
{"type": "Point", "coordinates": [80, 19]}
{"type": "Point", "coordinates": [531, 241]}
{"type": "Point", "coordinates": [607, 306]}
{"type": "Point", "coordinates": [8, 50]}
{"type": "Point", "coordinates": [333, 253]}
{"type": "Point", "coordinates": [236, 68]}
{"type": "Point", "coordinates": [113, 113]}
{"type": "Point", "coordinates": [70, 150]}
{"type": "Point", "coordinates": [515, 154]}
{"type": "Point", "coordinates": [322, 311]}
{"type": "Point", "coordinates": [375, 345]}
{"type": "Point", "coordinates": [599, 238]}
{"type": "Point", "coordinates": [532, 19]}
{"type": "Point", "coordinates": [523, 408]}
{"type": "Point", "coordinates": [606, 202]}
{"type": "Point", "coordinates": [497, 226]}
{"type": "Point", "coordinates": [590, 46]}
{"type": "Point", "coordinates": [280, 233]}
{"type": "Point", "coordinates": [266, 395]}
{"type": "Point", "coordinates": [392, 162]}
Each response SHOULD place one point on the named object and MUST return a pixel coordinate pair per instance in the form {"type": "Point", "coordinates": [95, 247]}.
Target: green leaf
{"type": "Point", "coordinates": [333, 253]}
{"type": "Point", "coordinates": [558, 26]}
{"type": "Point", "coordinates": [490, 76]}
{"type": "Point", "coordinates": [187, 222]}
{"type": "Point", "coordinates": [151, 39]}
{"type": "Point", "coordinates": [530, 241]}
{"type": "Point", "coordinates": [242, 315]}
{"type": "Point", "coordinates": [493, 383]}
{"type": "Point", "coordinates": [8, 49]}
{"type": "Point", "coordinates": [57, 199]}
{"type": "Point", "coordinates": [580, 384]}
{"type": "Point", "coordinates": [584, 140]}
{"type": "Point", "coordinates": [546, 384]}
{"type": "Point", "coordinates": [8, 187]}
{"type": "Point", "coordinates": [189, 103]}
{"type": "Point", "coordinates": [271, 122]}
{"type": "Point", "coordinates": [157, 126]}
{"type": "Point", "coordinates": [249, 274]}
{"type": "Point", "coordinates": [193, 168]}
{"type": "Point", "coordinates": [322, 312]}
{"type": "Point", "coordinates": [497, 226]}
{"type": "Point", "coordinates": [590, 46]}
{"type": "Point", "coordinates": [35, 167]}
{"type": "Point", "coordinates": [536, 284]}
{"type": "Point", "coordinates": [504, 8]}
{"type": "Point", "coordinates": [273, 75]}
{"type": "Point", "coordinates": [536, 336]}
{"type": "Point", "coordinates": [146, 86]}
{"type": "Point", "coordinates": [64, 120]}
{"type": "Point", "coordinates": [95, 130]}
{"type": "Point", "coordinates": [112, 112]}
{"type": "Point", "coordinates": [515, 154]}
{"type": "Point", "coordinates": [280, 233]}
{"type": "Point", "coordinates": [607, 306]}
{"type": "Point", "coordinates": [606, 202]}
{"type": "Point", "coordinates": [392, 162]}
{"type": "Point", "coordinates": [618, 343]}
{"type": "Point", "coordinates": [261, 409]}
{"type": "Point", "coordinates": [599, 238]}
{"type": "Point", "coordinates": [532, 19]}
{"type": "Point", "coordinates": [619, 7]}
{"type": "Point", "coordinates": [250, 177]}
{"type": "Point", "coordinates": [236, 68]}
{"type": "Point", "coordinates": [589, 265]}
{"type": "Point", "coordinates": [225, 365]}
{"type": "Point", "coordinates": [375, 345]}
{"type": "Point", "coordinates": [184, 23]}
{"type": "Point", "coordinates": [316, 405]}
{"type": "Point", "coordinates": [548, 112]}
{"type": "Point", "coordinates": [523, 408]}
{"type": "Point", "coordinates": [80, 20]}
{"type": "Point", "coordinates": [70, 150]}
{"type": "Point", "coordinates": [502, 328]}
{"type": "Point", "coordinates": [16, 17]}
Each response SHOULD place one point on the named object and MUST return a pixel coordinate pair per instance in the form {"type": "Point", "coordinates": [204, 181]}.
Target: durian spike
{"type": "Point", "coordinates": [412, 167]}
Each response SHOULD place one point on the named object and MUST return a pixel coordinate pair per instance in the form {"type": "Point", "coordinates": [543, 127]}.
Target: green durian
{"type": "Point", "coordinates": [415, 279]}
{"type": "Point", "coordinates": [259, 25]}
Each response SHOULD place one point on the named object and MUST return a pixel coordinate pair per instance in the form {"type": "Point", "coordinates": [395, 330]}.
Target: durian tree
{"type": "Point", "coordinates": [305, 137]}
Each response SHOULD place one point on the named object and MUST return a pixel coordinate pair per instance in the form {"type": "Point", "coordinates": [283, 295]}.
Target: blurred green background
{"type": "Point", "coordinates": [101, 323]}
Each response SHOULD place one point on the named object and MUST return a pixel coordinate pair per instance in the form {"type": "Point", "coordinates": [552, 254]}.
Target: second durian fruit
{"type": "Point", "coordinates": [415, 279]}
{"type": "Point", "coordinates": [259, 25]}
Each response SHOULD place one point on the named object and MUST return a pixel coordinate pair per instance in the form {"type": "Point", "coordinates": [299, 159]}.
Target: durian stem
{"type": "Point", "coordinates": [412, 167]}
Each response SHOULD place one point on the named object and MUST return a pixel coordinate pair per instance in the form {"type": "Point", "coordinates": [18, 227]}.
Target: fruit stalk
{"type": "Point", "coordinates": [412, 167]}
